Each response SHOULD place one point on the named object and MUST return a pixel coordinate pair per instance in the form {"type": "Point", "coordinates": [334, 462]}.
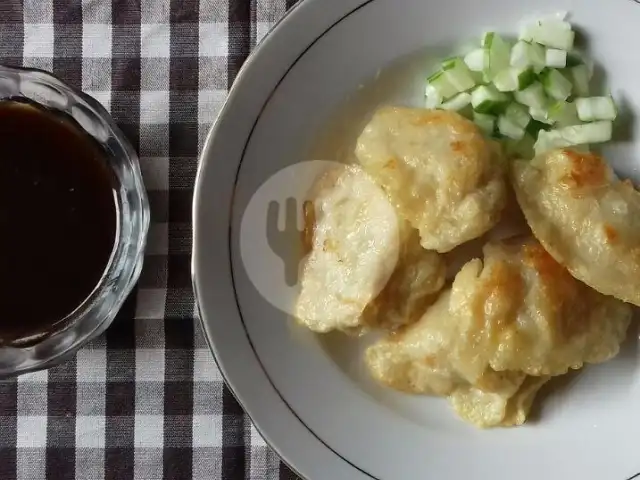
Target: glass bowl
{"type": "Point", "coordinates": [96, 313]}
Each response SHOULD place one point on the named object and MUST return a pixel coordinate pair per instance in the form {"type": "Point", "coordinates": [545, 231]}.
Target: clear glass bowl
{"type": "Point", "coordinates": [97, 312]}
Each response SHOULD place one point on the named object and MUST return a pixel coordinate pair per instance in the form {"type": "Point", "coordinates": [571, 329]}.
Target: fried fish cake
{"type": "Point", "coordinates": [586, 217]}
{"type": "Point", "coordinates": [439, 171]}
{"type": "Point", "coordinates": [365, 267]}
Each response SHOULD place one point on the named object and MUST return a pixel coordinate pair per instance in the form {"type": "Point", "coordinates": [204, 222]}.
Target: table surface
{"type": "Point", "coordinates": [145, 401]}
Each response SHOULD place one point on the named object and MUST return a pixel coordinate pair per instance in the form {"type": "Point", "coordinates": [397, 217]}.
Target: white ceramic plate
{"type": "Point", "coordinates": [308, 395]}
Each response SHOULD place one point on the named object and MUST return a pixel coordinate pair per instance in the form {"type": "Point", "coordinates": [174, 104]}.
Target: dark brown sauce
{"type": "Point", "coordinates": [58, 218]}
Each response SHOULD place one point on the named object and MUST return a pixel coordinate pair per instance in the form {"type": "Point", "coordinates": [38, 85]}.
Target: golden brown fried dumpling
{"type": "Point", "coordinates": [586, 217]}
{"type": "Point", "coordinates": [417, 359]}
{"type": "Point", "coordinates": [413, 285]}
{"type": "Point", "coordinates": [438, 170]}
{"type": "Point", "coordinates": [517, 314]}
{"type": "Point", "coordinates": [365, 268]}
{"type": "Point", "coordinates": [507, 408]}
{"type": "Point", "coordinates": [421, 357]}
{"type": "Point", "coordinates": [523, 311]}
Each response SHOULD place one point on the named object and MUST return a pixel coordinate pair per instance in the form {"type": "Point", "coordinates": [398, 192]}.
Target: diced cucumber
{"type": "Point", "coordinates": [555, 84]}
{"type": "Point", "coordinates": [580, 77]}
{"type": "Point", "coordinates": [564, 114]}
{"type": "Point", "coordinates": [520, 57]}
{"type": "Point", "coordinates": [526, 79]}
{"type": "Point", "coordinates": [486, 123]}
{"type": "Point", "coordinates": [440, 82]}
{"type": "Point", "coordinates": [508, 128]}
{"type": "Point", "coordinates": [595, 132]}
{"type": "Point", "coordinates": [506, 80]}
{"type": "Point", "coordinates": [525, 54]}
{"type": "Point", "coordinates": [538, 56]}
{"type": "Point", "coordinates": [556, 58]}
{"type": "Point", "coordinates": [458, 74]}
{"type": "Point", "coordinates": [543, 74]}
{"type": "Point", "coordinates": [549, 141]}
{"type": "Point", "coordinates": [596, 108]}
{"type": "Point", "coordinates": [551, 33]}
{"type": "Point", "coordinates": [512, 79]}
{"type": "Point", "coordinates": [540, 115]}
{"type": "Point", "coordinates": [497, 54]}
{"type": "Point", "coordinates": [518, 114]}
{"type": "Point", "coordinates": [487, 99]}
{"type": "Point", "coordinates": [475, 60]}
{"type": "Point", "coordinates": [433, 97]}
{"type": "Point", "coordinates": [458, 102]}
{"type": "Point", "coordinates": [532, 96]}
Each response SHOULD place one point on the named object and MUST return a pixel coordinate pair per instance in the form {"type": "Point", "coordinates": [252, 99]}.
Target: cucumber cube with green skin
{"type": "Point", "coordinates": [442, 86]}
{"type": "Point", "coordinates": [433, 97]}
{"type": "Point", "coordinates": [541, 115]}
{"type": "Point", "coordinates": [486, 123]}
{"type": "Point", "coordinates": [458, 74]}
{"type": "Point", "coordinates": [508, 128]}
{"type": "Point", "coordinates": [550, 33]}
{"type": "Point", "coordinates": [595, 132]}
{"type": "Point", "coordinates": [497, 54]}
{"type": "Point", "coordinates": [533, 96]}
{"type": "Point", "coordinates": [457, 103]}
{"type": "Point", "coordinates": [526, 78]}
{"type": "Point", "coordinates": [538, 57]}
{"type": "Point", "coordinates": [556, 58]}
{"type": "Point", "coordinates": [475, 60]}
{"type": "Point", "coordinates": [526, 54]}
{"type": "Point", "coordinates": [556, 85]}
{"type": "Point", "coordinates": [564, 114]}
{"type": "Point", "coordinates": [520, 57]}
{"type": "Point", "coordinates": [512, 79]}
{"type": "Point", "coordinates": [596, 108]}
{"type": "Point", "coordinates": [580, 76]}
{"type": "Point", "coordinates": [518, 114]}
{"type": "Point", "coordinates": [487, 99]}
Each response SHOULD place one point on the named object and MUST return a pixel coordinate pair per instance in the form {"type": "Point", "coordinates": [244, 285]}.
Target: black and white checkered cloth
{"type": "Point", "coordinates": [146, 400]}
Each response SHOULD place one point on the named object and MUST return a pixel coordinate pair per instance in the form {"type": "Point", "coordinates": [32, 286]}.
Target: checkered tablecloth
{"type": "Point", "coordinates": [146, 400]}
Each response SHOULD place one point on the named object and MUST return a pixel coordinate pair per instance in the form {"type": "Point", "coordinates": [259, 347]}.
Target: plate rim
{"type": "Point", "coordinates": [206, 153]}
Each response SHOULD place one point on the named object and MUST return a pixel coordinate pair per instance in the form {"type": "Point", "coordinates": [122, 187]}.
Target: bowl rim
{"type": "Point", "coordinates": [124, 266]}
